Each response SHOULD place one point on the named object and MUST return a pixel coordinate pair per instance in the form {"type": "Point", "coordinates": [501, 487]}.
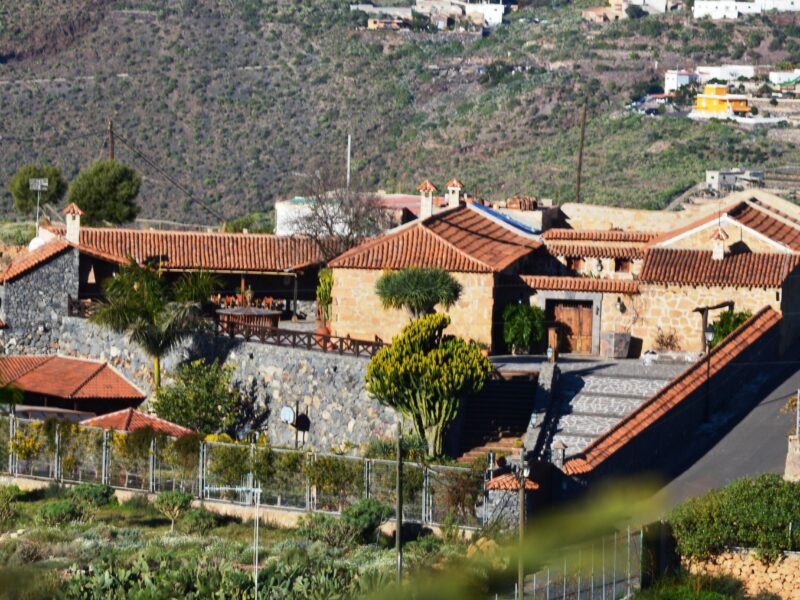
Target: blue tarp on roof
{"type": "Point", "coordinates": [508, 220]}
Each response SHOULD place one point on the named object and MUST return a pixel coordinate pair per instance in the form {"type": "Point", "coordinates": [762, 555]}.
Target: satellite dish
{"type": "Point", "coordinates": [35, 244]}
{"type": "Point", "coordinates": [287, 415]}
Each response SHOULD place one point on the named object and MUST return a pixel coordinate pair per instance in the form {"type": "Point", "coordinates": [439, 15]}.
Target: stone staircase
{"type": "Point", "coordinates": [593, 396]}
{"type": "Point", "coordinates": [496, 418]}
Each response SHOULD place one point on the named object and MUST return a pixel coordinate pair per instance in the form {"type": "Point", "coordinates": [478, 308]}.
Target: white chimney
{"type": "Point", "coordinates": [454, 187]}
{"type": "Point", "coordinates": [426, 190]}
{"type": "Point", "coordinates": [718, 239]}
{"type": "Point", "coordinates": [73, 216]}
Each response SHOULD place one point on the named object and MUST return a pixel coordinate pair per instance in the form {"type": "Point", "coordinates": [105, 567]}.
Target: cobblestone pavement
{"type": "Point", "coordinates": [596, 394]}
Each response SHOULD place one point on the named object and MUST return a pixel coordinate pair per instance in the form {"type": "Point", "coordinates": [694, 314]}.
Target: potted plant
{"type": "Point", "coordinates": [324, 301]}
{"type": "Point", "coordinates": [523, 325]}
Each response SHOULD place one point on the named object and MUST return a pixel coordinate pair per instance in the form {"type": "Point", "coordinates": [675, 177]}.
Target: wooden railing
{"type": "Point", "coordinates": [305, 340]}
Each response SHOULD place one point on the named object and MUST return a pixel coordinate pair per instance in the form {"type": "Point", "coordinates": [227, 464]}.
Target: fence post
{"type": "Point", "coordinates": [200, 465]}
{"type": "Point", "coordinates": [614, 573]}
{"type": "Point", "coordinates": [11, 465]}
{"type": "Point", "coordinates": [367, 468]}
{"type": "Point", "coordinates": [152, 482]}
{"type": "Point", "coordinates": [628, 578]}
{"type": "Point", "coordinates": [426, 499]}
{"type": "Point", "coordinates": [57, 454]}
{"type": "Point", "coordinates": [251, 480]}
{"type": "Point", "coordinates": [104, 478]}
{"type": "Point", "coordinates": [547, 587]}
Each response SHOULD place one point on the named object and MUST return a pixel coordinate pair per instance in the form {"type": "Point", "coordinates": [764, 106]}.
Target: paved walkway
{"type": "Point", "coordinates": [757, 444]}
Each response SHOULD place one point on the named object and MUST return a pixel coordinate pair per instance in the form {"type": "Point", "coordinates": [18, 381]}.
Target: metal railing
{"type": "Point", "coordinates": [288, 479]}
{"type": "Point", "coordinates": [300, 339]}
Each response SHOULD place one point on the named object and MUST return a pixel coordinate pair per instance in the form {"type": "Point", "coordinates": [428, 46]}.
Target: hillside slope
{"type": "Point", "coordinates": [238, 100]}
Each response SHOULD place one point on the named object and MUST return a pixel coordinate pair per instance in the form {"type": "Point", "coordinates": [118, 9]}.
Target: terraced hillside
{"type": "Point", "coordinates": [238, 99]}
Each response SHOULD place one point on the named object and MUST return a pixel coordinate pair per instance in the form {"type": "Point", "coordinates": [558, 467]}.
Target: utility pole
{"type": "Point", "coordinates": [399, 506]}
{"type": "Point", "coordinates": [349, 140]}
{"type": "Point", "coordinates": [580, 155]}
{"type": "Point", "coordinates": [110, 139]}
{"type": "Point", "coordinates": [521, 525]}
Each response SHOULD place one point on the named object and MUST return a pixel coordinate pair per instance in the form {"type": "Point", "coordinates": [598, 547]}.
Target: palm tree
{"type": "Point", "coordinates": [156, 317]}
{"type": "Point", "coordinates": [418, 290]}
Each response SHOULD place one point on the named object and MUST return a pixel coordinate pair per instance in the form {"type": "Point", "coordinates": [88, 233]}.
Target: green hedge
{"type": "Point", "coordinates": [762, 513]}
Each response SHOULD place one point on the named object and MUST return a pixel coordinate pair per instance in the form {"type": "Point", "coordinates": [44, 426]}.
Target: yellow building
{"type": "Point", "coordinates": [715, 100]}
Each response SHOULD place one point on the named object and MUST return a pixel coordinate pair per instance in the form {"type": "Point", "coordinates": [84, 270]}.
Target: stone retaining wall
{"type": "Point", "coordinates": [781, 577]}
{"type": "Point", "coordinates": [327, 388]}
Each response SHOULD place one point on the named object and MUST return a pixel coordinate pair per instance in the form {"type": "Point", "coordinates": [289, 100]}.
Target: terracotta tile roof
{"type": "Point", "coordinates": [673, 393]}
{"type": "Point", "coordinates": [187, 250]}
{"type": "Point", "coordinates": [27, 261]}
{"type": "Point", "coordinates": [696, 267]}
{"type": "Point", "coordinates": [461, 239]}
{"type": "Point", "coordinates": [131, 419]}
{"type": "Point", "coordinates": [753, 214]}
{"type": "Point", "coordinates": [581, 284]}
{"type": "Point", "coordinates": [596, 251]}
{"type": "Point", "coordinates": [599, 235]}
{"type": "Point", "coordinates": [775, 229]}
{"type": "Point", "coordinates": [509, 483]}
{"type": "Point", "coordinates": [427, 186]}
{"type": "Point", "coordinates": [64, 377]}
{"type": "Point", "coordinates": [455, 183]}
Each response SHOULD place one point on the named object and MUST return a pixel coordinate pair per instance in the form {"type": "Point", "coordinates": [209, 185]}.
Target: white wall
{"type": "Point", "coordinates": [730, 9]}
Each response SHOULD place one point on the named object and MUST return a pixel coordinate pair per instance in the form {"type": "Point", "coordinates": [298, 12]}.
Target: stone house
{"type": "Point", "coordinates": [479, 246]}
{"type": "Point", "coordinates": [65, 267]}
{"type": "Point", "coordinates": [616, 291]}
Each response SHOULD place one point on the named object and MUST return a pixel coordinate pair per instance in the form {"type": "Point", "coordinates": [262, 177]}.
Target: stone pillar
{"type": "Point", "coordinates": [792, 470]}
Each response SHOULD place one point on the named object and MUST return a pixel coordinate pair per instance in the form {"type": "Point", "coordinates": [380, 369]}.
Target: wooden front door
{"type": "Point", "coordinates": [574, 320]}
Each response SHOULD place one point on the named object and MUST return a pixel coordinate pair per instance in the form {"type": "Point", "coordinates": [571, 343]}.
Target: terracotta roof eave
{"type": "Point", "coordinates": [650, 412]}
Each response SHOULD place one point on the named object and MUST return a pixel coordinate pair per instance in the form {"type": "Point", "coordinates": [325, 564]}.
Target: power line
{"type": "Point", "coordinates": [169, 178]}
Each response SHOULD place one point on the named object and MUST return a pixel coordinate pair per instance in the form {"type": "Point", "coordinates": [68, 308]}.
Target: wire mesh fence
{"type": "Point", "coordinates": [146, 461]}
{"type": "Point", "coordinates": [5, 437]}
{"type": "Point", "coordinates": [81, 453]}
{"type": "Point", "coordinates": [606, 569]}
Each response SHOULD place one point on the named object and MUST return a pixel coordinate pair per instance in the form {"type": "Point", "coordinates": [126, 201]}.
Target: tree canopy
{"type": "Point", "coordinates": [202, 398]}
{"type": "Point", "coordinates": [25, 198]}
{"type": "Point", "coordinates": [726, 322]}
{"type": "Point", "coordinates": [418, 290]}
{"type": "Point", "coordinates": [425, 374]}
{"type": "Point", "coordinates": [105, 192]}
{"type": "Point", "coordinates": [523, 325]}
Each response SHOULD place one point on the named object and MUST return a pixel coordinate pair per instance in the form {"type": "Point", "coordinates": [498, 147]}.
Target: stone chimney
{"type": "Point", "coordinates": [73, 216]}
{"type": "Point", "coordinates": [454, 187]}
{"type": "Point", "coordinates": [426, 190]}
{"type": "Point", "coordinates": [718, 239]}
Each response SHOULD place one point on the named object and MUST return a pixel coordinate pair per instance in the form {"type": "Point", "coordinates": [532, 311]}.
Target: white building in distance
{"type": "Point", "coordinates": [725, 72]}
{"type": "Point", "coordinates": [675, 79]}
{"type": "Point", "coordinates": [731, 9]}
{"type": "Point", "coordinates": [781, 77]}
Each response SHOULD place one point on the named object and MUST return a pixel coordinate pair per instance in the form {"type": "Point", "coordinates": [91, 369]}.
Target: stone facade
{"type": "Point", "coordinates": [601, 267]}
{"type": "Point", "coordinates": [701, 239]}
{"type": "Point", "coordinates": [357, 310]}
{"type": "Point", "coordinates": [781, 577]}
{"type": "Point", "coordinates": [39, 297]}
{"type": "Point", "coordinates": [669, 307]}
{"type": "Point", "coordinates": [593, 216]}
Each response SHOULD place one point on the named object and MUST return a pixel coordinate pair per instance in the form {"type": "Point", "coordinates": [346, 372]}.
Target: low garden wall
{"type": "Point", "coordinates": [780, 577]}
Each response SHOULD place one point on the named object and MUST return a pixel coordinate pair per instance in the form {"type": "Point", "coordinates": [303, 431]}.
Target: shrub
{"type": "Point", "coordinates": [27, 552]}
{"type": "Point", "coordinates": [61, 512]}
{"type": "Point", "coordinates": [523, 324]}
{"type": "Point", "coordinates": [667, 341]}
{"type": "Point", "coordinates": [756, 513]}
{"type": "Point", "coordinates": [8, 503]}
{"type": "Point", "coordinates": [93, 494]}
{"type": "Point", "coordinates": [172, 505]}
{"type": "Point", "coordinates": [418, 290]}
{"type": "Point", "coordinates": [366, 516]}
{"type": "Point", "coordinates": [198, 521]}
{"type": "Point", "coordinates": [324, 297]}
{"type": "Point", "coordinates": [326, 528]}
{"type": "Point", "coordinates": [726, 323]}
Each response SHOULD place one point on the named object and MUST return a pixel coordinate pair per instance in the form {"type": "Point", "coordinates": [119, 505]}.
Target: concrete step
{"type": "Point", "coordinates": [601, 404]}
{"type": "Point", "coordinates": [628, 387]}
{"type": "Point", "coordinates": [575, 443]}
{"type": "Point", "coordinates": [586, 425]}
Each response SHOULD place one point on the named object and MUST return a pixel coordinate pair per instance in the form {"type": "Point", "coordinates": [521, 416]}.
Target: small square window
{"type": "Point", "coordinates": [575, 263]}
{"type": "Point", "coordinates": [623, 265]}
